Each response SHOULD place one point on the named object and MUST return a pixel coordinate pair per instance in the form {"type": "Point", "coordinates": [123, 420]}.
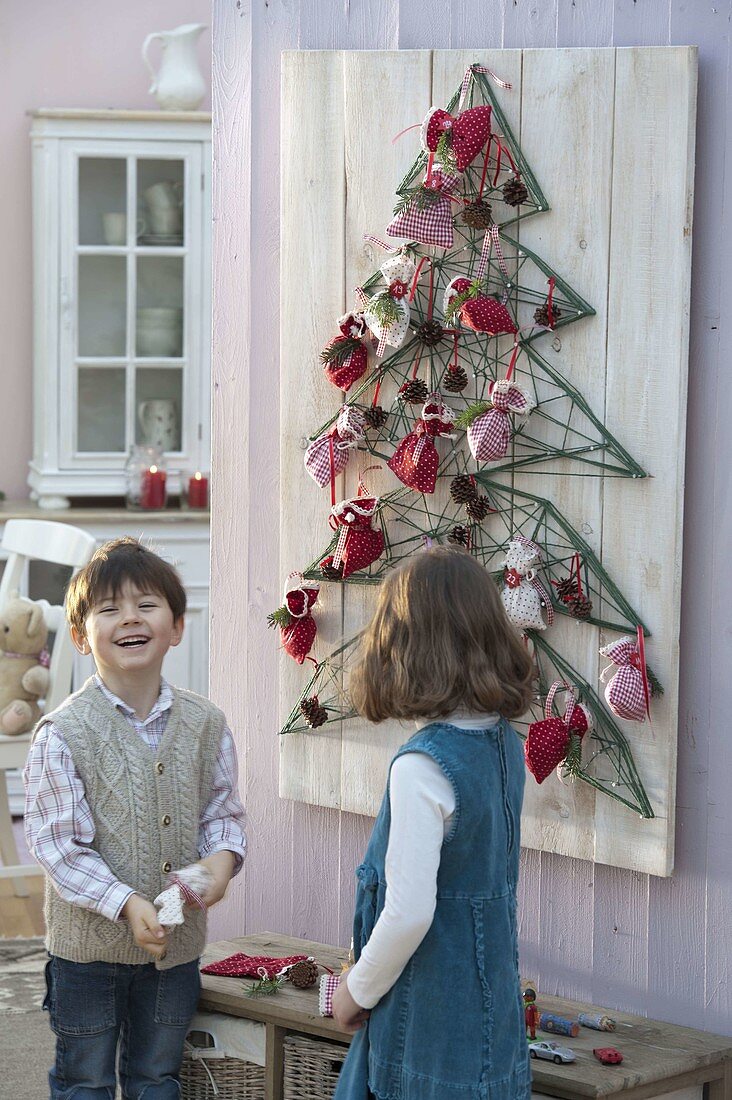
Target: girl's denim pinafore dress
{"type": "Point", "coordinates": [452, 1026]}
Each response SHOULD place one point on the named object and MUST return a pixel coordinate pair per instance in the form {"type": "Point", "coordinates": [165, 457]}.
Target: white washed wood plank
{"type": "Point", "coordinates": [312, 295]}
{"type": "Point", "coordinates": [573, 238]}
{"type": "Point", "coordinates": [647, 361]}
{"type": "Point", "coordinates": [528, 23]}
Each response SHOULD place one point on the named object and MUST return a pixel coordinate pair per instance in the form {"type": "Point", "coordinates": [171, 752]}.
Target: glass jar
{"type": "Point", "coordinates": [145, 479]}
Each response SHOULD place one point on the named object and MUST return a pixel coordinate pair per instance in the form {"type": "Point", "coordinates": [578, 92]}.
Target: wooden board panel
{"type": "Point", "coordinates": [584, 164]}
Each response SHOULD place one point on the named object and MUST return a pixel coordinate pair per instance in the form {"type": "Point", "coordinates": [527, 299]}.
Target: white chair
{"type": "Point", "coordinates": [39, 540]}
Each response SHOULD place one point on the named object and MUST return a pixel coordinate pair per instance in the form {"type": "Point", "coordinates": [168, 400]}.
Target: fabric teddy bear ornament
{"type": "Point", "coordinates": [627, 693]}
{"type": "Point", "coordinates": [415, 460]}
{"type": "Point", "coordinates": [359, 545]}
{"type": "Point", "coordinates": [425, 214]}
{"type": "Point", "coordinates": [387, 313]}
{"type": "Point", "coordinates": [552, 740]}
{"type": "Point", "coordinates": [456, 139]}
{"type": "Point", "coordinates": [523, 594]}
{"type": "Point", "coordinates": [297, 626]}
{"type": "Point", "coordinates": [24, 664]}
{"type": "Point", "coordinates": [465, 300]}
{"type": "Point", "coordinates": [345, 358]}
{"type": "Point", "coordinates": [328, 455]}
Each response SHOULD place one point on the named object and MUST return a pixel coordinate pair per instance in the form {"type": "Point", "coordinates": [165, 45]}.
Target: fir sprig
{"type": "Point", "coordinates": [281, 617]}
{"type": "Point", "coordinates": [384, 309]}
{"type": "Point", "coordinates": [420, 198]}
{"type": "Point", "coordinates": [655, 685]}
{"type": "Point", "coordinates": [572, 763]}
{"type": "Point", "coordinates": [457, 303]}
{"type": "Point", "coordinates": [266, 986]}
{"type": "Point", "coordinates": [445, 153]}
{"type": "Point", "coordinates": [336, 353]}
{"type": "Point", "coordinates": [467, 416]}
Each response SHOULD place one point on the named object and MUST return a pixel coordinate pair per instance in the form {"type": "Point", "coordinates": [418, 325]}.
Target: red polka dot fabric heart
{"type": "Point", "coordinates": [484, 314]}
{"type": "Point", "coordinates": [546, 747]}
{"type": "Point", "coordinates": [344, 373]}
{"type": "Point", "coordinates": [468, 133]}
{"type": "Point", "coordinates": [415, 460]}
{"type": "Point", "coordinates": [250, 966]}
{"type": "Point", "coordinates": [299, 635]}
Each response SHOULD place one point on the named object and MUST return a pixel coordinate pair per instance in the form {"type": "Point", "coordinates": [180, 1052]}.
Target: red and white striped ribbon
{"type": "Point", "coordinates": [490, 241]}
{"type": "Point", "coordinates": [469, 76]}
{"type": "Point", "coordinates": [560, 685]}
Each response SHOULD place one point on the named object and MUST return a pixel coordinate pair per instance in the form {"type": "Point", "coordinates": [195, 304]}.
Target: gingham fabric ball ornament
{"type": "Point", "coordinates": [523, 595]}
{"type": "Point", "coordinates": [328, 455]}
{"type": "Point", "coordinates": [345, 358]}
{"type": "Point", "coordinates": [477, 310]}
{"type": "Point", "coordinates": [387, 313]}
{"type": "Point", "coordinates": [427, 217]}
{"type": "Point", "coordinates": [297, 626]}
{"type": "Point", "coordinates": [359, 545]}
{"type": "Point", "coordinates": [415, 460]}
{"type": "Point", "coordinates": [489, 433]}
{"type": "Point", "coordinates": [465, 136]}
{"type": "Point", "coordinates": [627, 693]}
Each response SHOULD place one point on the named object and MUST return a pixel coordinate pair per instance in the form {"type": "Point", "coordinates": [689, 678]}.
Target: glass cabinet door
{"type": "Point", "coordinates": [131, 274]}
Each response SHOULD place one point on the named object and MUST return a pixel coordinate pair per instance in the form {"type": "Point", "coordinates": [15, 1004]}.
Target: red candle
{"type": "Point", "coordinates": [153, 488]}
{"type": "Point", "coordinates": [198, 491]}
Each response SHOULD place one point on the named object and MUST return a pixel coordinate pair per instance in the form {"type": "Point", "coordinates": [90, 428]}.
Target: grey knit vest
{"type": "Point", "coordinates": [146, 806]}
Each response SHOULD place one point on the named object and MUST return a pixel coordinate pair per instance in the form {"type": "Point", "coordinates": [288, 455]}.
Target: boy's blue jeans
{"type": "Point", "coordinates": [97, 1007]}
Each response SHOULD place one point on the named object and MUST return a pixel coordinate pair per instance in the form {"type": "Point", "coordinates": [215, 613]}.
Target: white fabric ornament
{"type": "Point", "coordinates": [523, 593]}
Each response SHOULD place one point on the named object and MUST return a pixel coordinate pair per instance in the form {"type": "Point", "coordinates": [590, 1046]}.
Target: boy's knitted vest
{"type": "Point", "coordinates": [146, 804]}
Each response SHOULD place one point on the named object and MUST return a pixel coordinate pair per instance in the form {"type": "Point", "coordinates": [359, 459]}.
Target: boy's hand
{"type": "Point", "coordinates": [142, 917]}
{"type": "Point", "coordinates": [221, 866]}
{"type": "Point", "coordinates": [346, 1012]}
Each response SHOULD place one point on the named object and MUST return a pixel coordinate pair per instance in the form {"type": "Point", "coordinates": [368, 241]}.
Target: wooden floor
{"type": "Point", "coordinates": [21, 916]}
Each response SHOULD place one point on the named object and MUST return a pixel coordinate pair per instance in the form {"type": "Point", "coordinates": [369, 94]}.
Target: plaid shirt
{"type": "Point", "coordinates": [59, 825]}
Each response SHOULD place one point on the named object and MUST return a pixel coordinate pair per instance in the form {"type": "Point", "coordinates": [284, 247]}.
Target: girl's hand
{"type": "Point", "coordinates": [346, 1012]}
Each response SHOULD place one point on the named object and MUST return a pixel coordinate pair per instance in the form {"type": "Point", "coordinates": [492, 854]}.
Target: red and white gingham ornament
{"type": "Point", "coordinates": [358, 543]}
{"type": "Point", "coordinates": [627, 692]}
{"type": "Point", "coordinates": [415, 460]}
{"type": "Point", "coordinates": [429, 222]}
{"type": "Point", "coordinates": [329, 453]}
{"type": "Point", "coordinates": [548, 741]}
{"type": "Point", "coordinates": [523, 593]}
{"type": "Point", "coordinates": [298, 638]}
{"type": "Point", "coordinates": [481, 313]}
{"type": "Point", "coordinates": [398, 272]}
{"type": "Point", "coordinates": [468, 132]}
{"type": "Point", "coordinates": [490, 433]}
{"type": "Point", "coordinates": [353, 327]}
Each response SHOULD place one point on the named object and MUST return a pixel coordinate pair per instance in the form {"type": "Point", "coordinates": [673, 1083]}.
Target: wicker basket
{"type": "Point", "coordinates": [311, 1068]}
{"type": "Point", "coordinates": [234, 1078]}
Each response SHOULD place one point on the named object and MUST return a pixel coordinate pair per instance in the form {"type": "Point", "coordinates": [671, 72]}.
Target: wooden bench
{"type": "Point", "coordinates": [659, 1058]}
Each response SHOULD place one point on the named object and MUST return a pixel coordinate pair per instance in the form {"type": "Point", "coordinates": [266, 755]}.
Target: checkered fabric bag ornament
{"type": "Point", "coordinates": [358, 544]}
{"type": "Point", "coordinates": [523, 595]}
{"type": "Point", "coordinates": [465, 134]}
{"type": "Point", "coordinates": [415, 460]}
{"type": "Point", "coordinates": [328, 985]}
{"type": "Point", "coordinates": [345, 358]}
{"type": "Point", "coordinates": [548, 741]}
{"type": "Point", "coordinates": [328, 454]}
{"type": "Point", "coordinates": [387, 313]}
{"type": "Point", "coordinates": [428, 216]}
{"type": "Point", "coordinates": [489, 434]}
{"type": "Point", "coordinates": [298, 634]}
{"type": "Point", "coordinates": [627, 693]}
{"type": "Point", "coordinates": [478, 311]}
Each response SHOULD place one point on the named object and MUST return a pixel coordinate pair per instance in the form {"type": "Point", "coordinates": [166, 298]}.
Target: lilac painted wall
{"type": "Point", "coordinates": [79, 53]}
{"type": "Point", "coordinates": [656, 946]}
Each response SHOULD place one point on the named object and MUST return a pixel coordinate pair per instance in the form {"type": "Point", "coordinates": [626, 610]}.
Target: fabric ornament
{"type": "Point", "coordinates": [328, 985]}
{"type": "Point", "coordinates": [328, 454]}
{"type": "Point", "coordinates": [427, 217]}
{"type": "Point", "coordinates": [345, 358]}
{"type": "Point", "coordinates": [523, 593]}
{"type": "Point", "coordinates": [627, 692]}
{"type": "Point", "coordinates": [415, 460]}
{"type": "Point", "coordinates": [297, 626]}
{"type": "Point", "coordinates": [187, 887]}
{"type": "Point", "coordinates": [387, 313]}
{"type": "Point", "coordinates": [465, 135]}
{"type": "Point", "coordinates": [250, 966]}
{"type": "Point", "coordinates": [489, 433]}
{"type": "Point", "coordinates": [549, 741]}
{"type": "Point", "coordinates": [358, 544]}
{"type": "Point", "coordinates": [476, 310]}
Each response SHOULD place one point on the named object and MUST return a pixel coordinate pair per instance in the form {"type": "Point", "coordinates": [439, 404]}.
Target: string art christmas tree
{"type": "Point", "coordinates": [443, 383]}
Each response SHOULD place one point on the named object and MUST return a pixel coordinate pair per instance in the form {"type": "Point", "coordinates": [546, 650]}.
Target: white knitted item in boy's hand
{"type": "Point", "coordinates": [170, 903]}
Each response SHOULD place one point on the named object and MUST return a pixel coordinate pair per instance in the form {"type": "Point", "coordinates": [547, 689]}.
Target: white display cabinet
{"type": "Point", "coordinates": [121, 253]}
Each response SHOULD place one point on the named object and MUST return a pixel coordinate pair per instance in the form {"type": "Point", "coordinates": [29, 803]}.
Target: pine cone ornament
{"type": "Point", "coordinates": [331, 572]}
{"type": "Point", "coordinates": [566, 589]}
{"type": "Point", "coordinates": [375, 417]}
{"type": "Point", "coordinates": [478, 508]}
{"type": "Point", "coordinates": [580, 607]}
{"type": "Point", "coordinates": [541, 315]}
{"type": "Point", "coordinates": [477, 215]}
{"type": "Point", "coordinates": [313, 713]}
{"type": "Point", "coordinates": [430, 333]}
{"type": "Point", "coordinates": [454, 381]}
{"type": "Point", "coordinates": [303, 974]}
{"type": "Point", "coordinates": [514, 192]}
{"type": "Point", "coordinates": [462, 489]}
{"type": "Point", "coordinates": [414, 392]}
{"type": "Point", "coordinates": [459, 535]}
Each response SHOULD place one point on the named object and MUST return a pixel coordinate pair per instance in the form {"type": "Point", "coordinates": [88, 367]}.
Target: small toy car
{"type": "Point", "coordinates": [553, 1052]}
{"type": "Point", "coordinates": [609, 1056]}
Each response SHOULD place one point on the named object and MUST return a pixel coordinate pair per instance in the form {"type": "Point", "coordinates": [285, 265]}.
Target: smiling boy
{"type": "Point", "coordinates": [126, 781]}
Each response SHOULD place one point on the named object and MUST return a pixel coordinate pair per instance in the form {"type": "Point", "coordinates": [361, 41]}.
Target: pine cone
{"type": "Point", "coordinates": [580, 607]}
{"type": "Point", "coordinates": [478, 508]}
{"type": "Point", "coordinates": [303, 974]}
{"type": "Point", "coordinates": [454, 381]}
{"type": "Point", "coordinates": [462, 489]}
{"type": "Point", "coordinates": [514, 192]}
{"type": "Point", "coordinates": [566, 589]}
{"type": "Point", "coordinates": [541, 315]}
{"type": "Point", "coordinates": [375, 417]}
{"type": "Point", "coordinates": [477, 215]}
{"type": "Point", "coordinates": [459, 535]}
{"type": "Point", "coordinates": [430, 333]}
{"type": "Point", "coordinates": [314, 714]}
{"type": "Point", "coordinates": [331, 572]}
{"type": "Point", "coordinates": [414, 392]}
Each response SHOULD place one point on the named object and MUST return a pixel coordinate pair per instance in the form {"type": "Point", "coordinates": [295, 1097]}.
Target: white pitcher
{"type": "Point", "coordinates": [178, 85]}
{"type": "Point", "coordinates": [159, 420]}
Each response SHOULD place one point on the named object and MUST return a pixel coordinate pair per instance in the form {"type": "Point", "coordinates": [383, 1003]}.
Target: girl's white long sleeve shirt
{"type": "Point", "coordinates": [422, 803]}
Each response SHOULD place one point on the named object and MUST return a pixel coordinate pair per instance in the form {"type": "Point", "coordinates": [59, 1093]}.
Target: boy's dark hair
{"type": "Point", "coordinates": [113, 564]}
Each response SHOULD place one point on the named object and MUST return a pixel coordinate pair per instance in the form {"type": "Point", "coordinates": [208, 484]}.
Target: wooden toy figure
{"type": "Point", "coordinates": [531, 1012]}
